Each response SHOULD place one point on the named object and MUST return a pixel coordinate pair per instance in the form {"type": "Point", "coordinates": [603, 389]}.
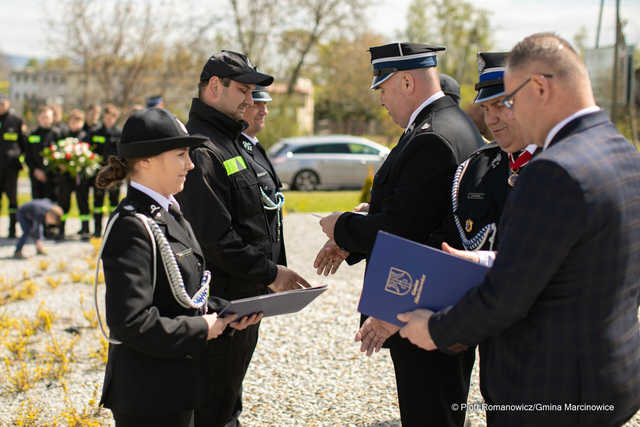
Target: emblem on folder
{"type": "Point", "coordinates": [400, 283]}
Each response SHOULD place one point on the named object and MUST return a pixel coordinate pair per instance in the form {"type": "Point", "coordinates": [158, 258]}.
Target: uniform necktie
{"type": "Point", "coordinates": [178, 216]}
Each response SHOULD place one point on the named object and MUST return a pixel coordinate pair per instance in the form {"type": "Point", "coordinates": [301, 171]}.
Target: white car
{"type": "Point", "coordinates": [335, 161]}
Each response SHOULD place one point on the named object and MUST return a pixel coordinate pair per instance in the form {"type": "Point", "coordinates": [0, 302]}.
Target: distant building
{"type": "Point", "coordinates": [37, 87]}
{"type": "Point", "coordinates": [301, 106]}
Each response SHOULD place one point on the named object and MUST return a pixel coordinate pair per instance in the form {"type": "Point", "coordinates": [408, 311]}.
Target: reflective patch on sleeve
{"type": "Point", "coordinates": [234, 165]}
{"type": "Point", "coordinates": [10, 136]}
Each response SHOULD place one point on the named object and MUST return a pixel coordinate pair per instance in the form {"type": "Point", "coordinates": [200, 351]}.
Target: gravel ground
{"type": "Point", "coordinates": [306, 370]}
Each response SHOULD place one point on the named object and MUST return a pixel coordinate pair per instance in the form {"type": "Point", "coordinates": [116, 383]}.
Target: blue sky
{"type": "Point", "coordinates": [510, 19]}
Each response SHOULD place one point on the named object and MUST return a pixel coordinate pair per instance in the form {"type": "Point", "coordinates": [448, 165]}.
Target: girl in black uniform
{"type": "Point", "coordinates": [157, 290]}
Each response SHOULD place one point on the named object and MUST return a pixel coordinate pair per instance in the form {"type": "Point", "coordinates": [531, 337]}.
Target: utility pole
{"type": "Point", "coordinates": [599, 24]}
{"type": "Point", "coordinates": [616, 49]}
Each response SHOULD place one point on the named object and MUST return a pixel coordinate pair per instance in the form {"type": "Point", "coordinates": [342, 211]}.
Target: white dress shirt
{"type": "Point", "coordinates": [554, 130]}
{"type": "Point", "coordinates": [159, 198]}
{"type": "Point", "coordinates": [439, 94]}
{"type": "Point", "coordinates": [252, 139]}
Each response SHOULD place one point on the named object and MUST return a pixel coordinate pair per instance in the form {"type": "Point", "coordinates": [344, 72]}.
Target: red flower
{"type": "Point", "coordinates": [92, 156]}
{"type": "Point", "coordinates": [52, 147]}
{"type": "Point", "coordinates": [67, 156]}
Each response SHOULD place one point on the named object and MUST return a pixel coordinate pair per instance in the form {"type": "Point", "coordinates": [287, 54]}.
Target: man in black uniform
{"type": "Point", "coordinates": [92, 119]}
{"type": "Point", "coordinates": [483, 182]}
{"type": "Point", "coordinates": [232, 212]}
{"type": "Point", "coordinates": [12, 145]}
{"type": "Point", "coordinates": [255, 116]}
{"type": "Point", "coordinates": [410, 198]}
{"type": "Point", "coordinates": [91, 125]}
{"type": "Point", "coordinates": [43, 136]}
{"type": "Point", "coordinates": [104, 142]}
{"type": "Point", "coordinates": [58, 120]}
{"type": "Point", "coordinates": [67, 183]}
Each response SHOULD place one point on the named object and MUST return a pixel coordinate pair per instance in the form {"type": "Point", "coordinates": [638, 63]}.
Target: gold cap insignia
{"type": "Point", "coordinates": [468, 225]}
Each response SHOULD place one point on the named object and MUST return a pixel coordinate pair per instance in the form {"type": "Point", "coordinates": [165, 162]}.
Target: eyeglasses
{"type": "Point", "coordinates": [508, 100]}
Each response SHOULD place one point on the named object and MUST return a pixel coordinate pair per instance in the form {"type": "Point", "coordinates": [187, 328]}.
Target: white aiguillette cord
{"type": "Point", "coordinates": [176, 284]}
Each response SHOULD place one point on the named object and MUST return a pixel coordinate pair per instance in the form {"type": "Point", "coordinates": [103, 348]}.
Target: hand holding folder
{"type": "Point", "coordinates": [403, 276]}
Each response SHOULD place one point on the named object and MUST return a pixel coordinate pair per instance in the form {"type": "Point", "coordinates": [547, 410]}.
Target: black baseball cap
{"type": "Point", "coordinates": [235, 66]}
{"type": "Point", "coordinates": [153, 131]}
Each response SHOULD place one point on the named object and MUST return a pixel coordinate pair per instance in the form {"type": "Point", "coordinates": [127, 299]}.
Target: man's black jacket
{"type": "Point", "coordinates": [221, 199]}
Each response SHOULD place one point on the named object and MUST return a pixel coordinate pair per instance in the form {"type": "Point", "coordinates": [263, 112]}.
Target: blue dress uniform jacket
{"type": "Point", "coordinates": [160, 366]}
{"type": "Point", "coordinates": [557, 314]}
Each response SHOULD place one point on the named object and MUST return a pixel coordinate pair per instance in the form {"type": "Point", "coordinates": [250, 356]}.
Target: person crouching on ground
{"type": "Point", "coordinates": [32, 217]}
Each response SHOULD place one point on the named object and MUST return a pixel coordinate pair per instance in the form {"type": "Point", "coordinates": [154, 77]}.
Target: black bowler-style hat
{"type": "Point", "coordinates": [389, 58]}
{"type": "Point", "coordinates": [153, 131]}
{"type": "Point", "coordinates": [491, 67]}
{"type": "Point", "coordinates": [260, 94]}
{"type": "Point", "coordinates": [235, 66]}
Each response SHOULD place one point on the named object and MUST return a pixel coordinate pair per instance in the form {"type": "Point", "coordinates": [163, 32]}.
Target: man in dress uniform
{"type": "Point", "coordinates": [255, 116]}
{"type": "Point", "coordinates": [12, 145]}
{"type": "Point", "coordinates": [410, 198]}
{"type": "Point", "coordinates": [43, 136]}
{"type": "Point", "coordinates": [557, 314]}
{"type": "Point", "coordinates": [231, 205]}
{"type": "Point", "coordinates": [482, 182]}
{"type": "Point", "coordinates": [104, 142]}
{"type": "Point", "coordinates": [155, 101]}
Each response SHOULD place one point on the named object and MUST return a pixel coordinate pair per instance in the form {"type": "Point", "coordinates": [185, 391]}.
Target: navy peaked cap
{"type": "Point", "coordinates": [491, 75]}
{"type": "Point", "coordinates": [389, 58]}
{"type": "Point", "coordinates": [260, 94]}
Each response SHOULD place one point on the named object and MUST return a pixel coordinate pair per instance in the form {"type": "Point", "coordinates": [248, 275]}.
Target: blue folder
{"type": "Point", "coordinates": [403, 275]}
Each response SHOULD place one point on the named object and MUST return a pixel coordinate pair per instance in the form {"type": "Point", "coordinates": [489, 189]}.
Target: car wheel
{"type": "Point", "coordinates": [306, 180]}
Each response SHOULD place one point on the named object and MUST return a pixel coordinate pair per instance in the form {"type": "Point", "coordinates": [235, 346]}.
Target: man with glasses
{"type": "Point", "coordinates": [483, 182]}
{"type": "Point", "coordinates": [558, 312]}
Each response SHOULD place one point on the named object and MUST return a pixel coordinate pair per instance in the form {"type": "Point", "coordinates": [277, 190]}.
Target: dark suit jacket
{"type": "Point", "coordinates": [558, 312]}
{"type": "Point", "coordinates": [160, 366]}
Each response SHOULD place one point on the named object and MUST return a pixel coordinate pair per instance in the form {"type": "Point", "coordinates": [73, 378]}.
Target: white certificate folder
{"type": "Point", "coordinates": [274, 304]}
{"type": "Point", "coordinates": [403, 275]}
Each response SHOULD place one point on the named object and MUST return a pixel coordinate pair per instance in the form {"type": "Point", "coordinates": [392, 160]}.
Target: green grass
{"type": "Point", "coordinates": [24, 198]}
{"type": "Point", "coordinates": [320, 201]}
{"type": "Point", "coordinates": [296, 201]}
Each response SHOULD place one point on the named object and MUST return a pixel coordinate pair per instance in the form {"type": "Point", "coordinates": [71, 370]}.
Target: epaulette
{"type": "Point", "coordinates": [128, 209]}
{"type": "Point", "coordinates": [486, 147]}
